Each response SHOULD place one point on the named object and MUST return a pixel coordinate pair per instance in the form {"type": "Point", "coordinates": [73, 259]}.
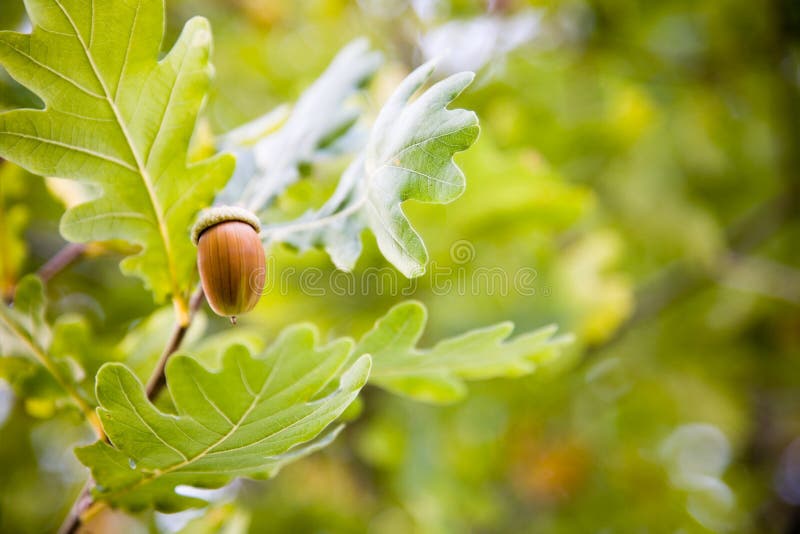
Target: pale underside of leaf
{"type": "Point", "coordinates": [315, 128]}
{"type": "Point", "coordinates": [409, 156]}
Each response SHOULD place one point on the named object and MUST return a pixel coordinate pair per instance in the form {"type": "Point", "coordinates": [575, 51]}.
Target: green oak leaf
{"type": "Point", "coordinates": [119, 119]}
{"type": "Point", "coordinates": [437, 375]}
{"type": "Point", "coordinates": [409, 156]}
{"type": "Point", "coordinates": [248, 418]}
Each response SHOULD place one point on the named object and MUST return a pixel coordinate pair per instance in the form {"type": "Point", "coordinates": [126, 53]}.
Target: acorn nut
{"type": "Point", "coordinates": [230, 258]}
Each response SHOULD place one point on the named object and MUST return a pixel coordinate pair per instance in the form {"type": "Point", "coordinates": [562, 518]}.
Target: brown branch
{"type": "Point", "coordinates": [155, 384]}
{"type": "Point", "coordinates": [73, 521]}
{"type": "Point", "coordinates": [63, 259]}
{"type": "Point", "coordinates": [157, 379]}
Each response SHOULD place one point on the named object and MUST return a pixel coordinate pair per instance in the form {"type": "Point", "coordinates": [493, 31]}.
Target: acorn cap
{"type": "Point", "coordinates": [219, 214]}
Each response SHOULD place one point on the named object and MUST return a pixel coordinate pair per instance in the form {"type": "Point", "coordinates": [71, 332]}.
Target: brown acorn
{"type": "Point", "coordinates": [230, 258]}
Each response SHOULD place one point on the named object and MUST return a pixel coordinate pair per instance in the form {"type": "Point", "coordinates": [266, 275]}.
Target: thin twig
{"type": "Point", "coordinates": [85, 505]}
{"type": "Point", "coordinates": [84, 500]}
{"type": "Point", "coordinates": [157, 379]}
{"type": "Point", "coordinates": [63, 259]}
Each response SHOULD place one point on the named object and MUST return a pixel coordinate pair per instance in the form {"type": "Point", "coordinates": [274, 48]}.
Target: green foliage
{"type": "Point", "coordinates": [119, 119]}
{"type": "Point", "coordinates": [245, 419]}
{"type": "Point", "coordinates": [409, 156]}
{"type": "Point", "coordinates": [13, 219]}
{"type": "Point", "coordinates": [437, 375]}
{"type": "Point", "coordinates": [23, 329]}
{"type": "Point", "coordinates": [40, 361]}
{"type": "Point", "coordinates": [12, 14]}
{"type": "Point", "coordinates": [619, 153]}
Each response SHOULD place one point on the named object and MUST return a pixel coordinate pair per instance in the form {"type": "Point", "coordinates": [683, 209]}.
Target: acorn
{"type": "Point", "coordinates": [230, 258]}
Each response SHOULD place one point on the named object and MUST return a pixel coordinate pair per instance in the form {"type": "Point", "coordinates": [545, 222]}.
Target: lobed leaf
{"type": "Point", "coordinates": [255, 414]}
{"type": "Point", "coordinates": [438, 374]}
{"type": "Point", "coordinates": [248, 418]}
{"type": "Point", "coordinates": [121, 120]}
{"type": "Point", "coordinates": [269, 160]}
{"type": "Point", "coordinates": [409, 156]}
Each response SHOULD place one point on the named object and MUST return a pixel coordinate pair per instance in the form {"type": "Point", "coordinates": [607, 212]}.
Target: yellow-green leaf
{"type": "Point", "coordinates": [119, 119]}
{"type": "Point", "coordinates": [247, 419]}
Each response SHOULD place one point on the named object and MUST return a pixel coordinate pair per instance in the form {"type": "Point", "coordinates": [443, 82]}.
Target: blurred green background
{"type": "Point", "coordinates": [641, 159]}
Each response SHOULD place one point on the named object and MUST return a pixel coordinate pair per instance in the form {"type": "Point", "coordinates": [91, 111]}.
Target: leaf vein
{"type": "Point", "coordinates": [86, 151]}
